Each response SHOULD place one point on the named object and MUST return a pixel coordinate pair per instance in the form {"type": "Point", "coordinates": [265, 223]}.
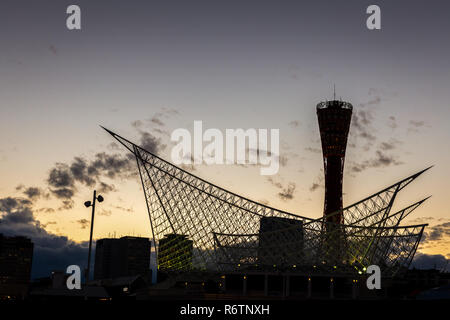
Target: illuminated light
{"type": "Point", "coordinates": [331, 279]}
{"type": "Point", "coordinates": [245, 277]}
{"type": "Point", "coordinates": [239, 264]}
{"type": "Point", "coordinates": [223, 277]}
{"type": "Point", "coordinates": [334, 267]}
{"type": "Point", "coordinates": [309, 279]}
{"type": "Point", "coordinates": [186, 284]}
{"type": "Point", "coordinates": [203, 284]}
{"type": "Point", "coordinates": [359, 272]}
{"type": "Point", "coordinates": [274, 265]}
{"type": "Point", "coordinates": [314, 267]}
{"type": "Point", "coordinates": [364, 268]}
{"type": "Point", "coordinates": [294, 266]}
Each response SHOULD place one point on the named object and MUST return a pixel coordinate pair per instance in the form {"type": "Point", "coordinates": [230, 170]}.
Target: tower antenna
{"type": "Point", "coordinates": [334, 91]}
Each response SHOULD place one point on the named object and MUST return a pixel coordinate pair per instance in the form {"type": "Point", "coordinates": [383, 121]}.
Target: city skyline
{"type": "Point", "coordinates": [157, 70]}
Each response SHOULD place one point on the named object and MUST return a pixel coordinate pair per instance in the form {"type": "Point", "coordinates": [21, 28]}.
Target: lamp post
{"type": "Point", "coordinates": [88, 204]}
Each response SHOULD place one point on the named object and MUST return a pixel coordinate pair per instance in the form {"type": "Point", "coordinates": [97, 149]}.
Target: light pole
{"type": "Point", "coordinates": [87, 205]}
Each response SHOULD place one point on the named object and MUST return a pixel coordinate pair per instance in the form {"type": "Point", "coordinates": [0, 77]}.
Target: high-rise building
{"type": "Point", "coordinates": [127, 256]}
{"type": "Point", "coordinates": [16, 254]}
{"type": "Point", "coordinates": [334, 124]}
{"type": "Point", "coordinates": [175, 252]}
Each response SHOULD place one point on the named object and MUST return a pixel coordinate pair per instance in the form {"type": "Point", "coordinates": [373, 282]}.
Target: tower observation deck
{"type": "Point", "coordinates": [334, 122]}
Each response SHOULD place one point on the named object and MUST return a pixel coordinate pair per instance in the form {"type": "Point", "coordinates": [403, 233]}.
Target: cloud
{"type": "Point", "coordinates": [51, 252]}
{"type": "Point", "coordinates": [35, 193]}
{"type": "Point", "coordinates": [415, 125]}
{"type": "Point", "coordinates": [389, 145]}
{"type": "Point", "coordinates": [437, 232]}
{"type": "Point", "coordinates": [84, 223]}
{"type": "Point", "coordinates": [16, 211]}
{"type": "Point", "coordinates": [64, 178]}
{"type": "Point", "coordinates": [80, 171]}
{"type": "Point", "coordinates": [381, 160]}
{"type": "Point", "coordinates": [156, 120]}
{"type": "Point", "coordinates": [288, 192]}
{"type": "Point", "coordinates": [151, 143]}
{"type": "Point", "coordinates": [360, 127]}
{"type": "Point", "coordinates": [61, 180]}
{"type": "Point", "coordinates": [274, 183]}
{"type": "Point", "coordinates": [67, 204]}
{"type": "Point", "coordinates": [428, 261]}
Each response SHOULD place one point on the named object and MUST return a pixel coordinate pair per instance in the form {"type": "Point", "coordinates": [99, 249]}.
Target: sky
{"type": "Point", "coordinates": [146, 68]}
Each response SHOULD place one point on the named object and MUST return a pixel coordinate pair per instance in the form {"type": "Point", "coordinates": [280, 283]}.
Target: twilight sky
{"type": "Point", "coordinates": [145, 68]}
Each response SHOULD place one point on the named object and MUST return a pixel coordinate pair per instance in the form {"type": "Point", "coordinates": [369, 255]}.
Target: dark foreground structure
{"type": "Point", "coordinates": [124, 257]}
{"type": "Point", "coordinates": [16, 254]}
{"type": "Point", "coordinates": [230, 236]}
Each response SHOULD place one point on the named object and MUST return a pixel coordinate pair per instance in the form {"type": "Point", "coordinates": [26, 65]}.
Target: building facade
{"type": "Point", "coordinates": [16, 255]}
{"type": "Point", "coordinates": [127, 256]}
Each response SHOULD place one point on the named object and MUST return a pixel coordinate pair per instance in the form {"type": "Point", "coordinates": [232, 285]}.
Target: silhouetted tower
{"type": "Point", "coordinates": [334, 123]}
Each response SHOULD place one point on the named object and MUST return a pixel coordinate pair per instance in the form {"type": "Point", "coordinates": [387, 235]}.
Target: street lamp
{"type": "Point", "coordinates": [88, 204]}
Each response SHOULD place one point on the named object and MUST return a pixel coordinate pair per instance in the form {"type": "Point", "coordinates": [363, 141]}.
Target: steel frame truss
{"type": "Point", "coordinates": [227, 229]}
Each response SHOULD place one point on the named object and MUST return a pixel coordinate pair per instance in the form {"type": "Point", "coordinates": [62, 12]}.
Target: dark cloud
{"type": "Point", "coordinates": [390, 145]}
{"type": "Point", "coordinates": [110, 165]}
{"type": "Point", "coordinates": [60, 176]}
{"type": "Point", "coordinates": [80, 171]}
{"type": "Point", "coordinates": [15, 211]}
{"type": "Point", "coordinates": [84, 223]}
{"type": "Point", "coordinates": [46, 210]}
{"type": "Point", "coordinates": [151, 143]}
{"type": "Point", "coordinates": [67, 204]}
{"type": "Point", "coordinates": [381, 160]}
{"type": "Point", "coordinates": [437, 232]}
{"type": "Point", "coordinates": [51, 252]}
{"type": "Point", "coordinates": [428, 261]}
{"type": "Point", "coordinates": [64, 193]}
{"type": "Point", "coordinates": [288, 192]}
{"type": "Point", "coordinates": [360, 128]}
{"type": "Point", "coordinates": [318, 182]}
{"type": "Point", "coordinates": [274, 183]}
{"type": "Point", "coordinates": [156, 120]}
{"type": "Point", "coordinates": [61, 181]}
{"type": "Point", "coordinates": [34, 193]}
{"type": "Point", "coordinates": [106, 188]}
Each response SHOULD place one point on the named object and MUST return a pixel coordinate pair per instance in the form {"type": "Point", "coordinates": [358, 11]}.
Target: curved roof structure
{"type": "Point", "coordinates": [201, 226]}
